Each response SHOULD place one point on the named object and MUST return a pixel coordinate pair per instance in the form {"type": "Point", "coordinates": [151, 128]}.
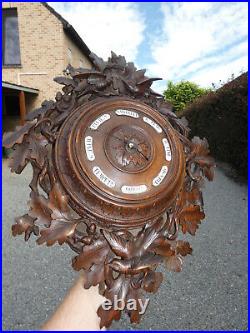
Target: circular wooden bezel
{"type": "Point", "coordinates": [100, 203]}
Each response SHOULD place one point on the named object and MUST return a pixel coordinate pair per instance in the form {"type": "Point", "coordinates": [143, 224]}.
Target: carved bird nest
{"type": "Point", "coordinates": [114, 176]}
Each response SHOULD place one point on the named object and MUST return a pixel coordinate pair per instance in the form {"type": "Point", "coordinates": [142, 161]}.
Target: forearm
{"type": "Point", "coordinates": [77, 312]}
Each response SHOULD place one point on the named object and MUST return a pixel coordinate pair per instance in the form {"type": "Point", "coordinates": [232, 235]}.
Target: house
{"type": "Point", "coordinates": [37, 45]}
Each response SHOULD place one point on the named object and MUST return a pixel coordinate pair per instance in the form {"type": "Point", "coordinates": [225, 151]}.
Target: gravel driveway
{"type": "Point", "coordinates": [209, 294]}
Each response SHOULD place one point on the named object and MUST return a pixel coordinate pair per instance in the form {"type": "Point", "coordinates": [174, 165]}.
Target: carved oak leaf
{"type": "Point", "coordinates": [148, 235]}
{"type": "Point", "coordinates": [200, 146]}
{"type": "Point", "coordinates": [167, 248]}
{"type": "Point", "coordinates": [152, 281]}
{"type": "Point", "coordinates": [190, 217]}
{"type": "Point", "coordinates": [57, 213]}
{"type": "Point", "coordinates": [85, 74]}
{"type": "Point", "coordinates": [130, 72]}
{"type": "Point", "coordinates": [206, 164]}
{"type": "Point", "coordinates": [209, 172]}
{"type": "Point", "coordinates": [35, 177]}
{"type": "Point", "coordinates": [45, 184]}
{"type": "Point", "coordinates": [58, 203]}
{"type": "Point", "coordinates": [117, 84]}
{"type": "Point", "coordinates": [130, 78]}
{"type": "Point", "coordinates": [119, 287]}
{"type": "Point", "coordinates": [165, 108]}
{"type": "Point", "coordinates": [39, 209]}
{"type": "Point", "coordinates": [31, 148]}
{"type": "Point", "coordinates": [135, 315]}
{"type": "Point", "coordinates": [192, 197]}
{"type": "Point", "coordinates": [92, 254]}
{"type": "Point", "coordinates": [200, 151]}
{"type": "Point", "coordinates": [174, 263]}
{"type": "Point", "coordinates": [99, 63]}
{"type": "Point", "coordinates": [107, 316]}
{"type": "Point", "coordinates": [162, 247]}
{"type": "Point", "coordinates": [182, 126]}
{"type": "Point", "coordinates": [46, 105]}
{"type": "Point", "coordinates": [118, 244]}
{"type": "Point", "coordinates": [138, 75]}
{"type": "Point", "coordinates": [134, 247]}
{"type": "Point", "coordinates": [19, 157]}
{"type": "Point", "coordinates": [25, 224]}
{"type": "Point", "coordinates": [94, 276]}
{"type": "Point", "coordinates": [116, 62]}
{"type": "Point", "coordinates": [11, 138]}
{"type": "Point", "coordinates": [58, 231]}
{"type": "Point", "coordinates": [65, 81]}
{"type": "Point", "coordinates": [38, 151]}
{"type": "Point", "coordinates": [183, 248]}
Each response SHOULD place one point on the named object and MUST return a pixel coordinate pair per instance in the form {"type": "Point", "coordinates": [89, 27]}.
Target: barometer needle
{"type": "Point", "coordinates": [135, 146]}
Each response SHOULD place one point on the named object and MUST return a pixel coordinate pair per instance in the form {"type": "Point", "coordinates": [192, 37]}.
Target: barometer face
{"type": "Point", "coordinates": [135, 156]}
{"type": "Point", "coordinates": [122, 153]}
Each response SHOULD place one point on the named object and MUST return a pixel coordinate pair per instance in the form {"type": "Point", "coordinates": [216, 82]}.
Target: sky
{"type": "Point", "coordinates": [203, 42]}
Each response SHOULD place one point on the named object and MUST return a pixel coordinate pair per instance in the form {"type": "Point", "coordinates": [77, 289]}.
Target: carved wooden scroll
{"type": "Point", "coordinates": [114, 176]}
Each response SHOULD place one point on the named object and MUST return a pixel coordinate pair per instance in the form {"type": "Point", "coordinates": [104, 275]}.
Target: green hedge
{"type": "Point", "coordinates": [221, 117]}
{"type": "Point", "coordinates": [182, 94]}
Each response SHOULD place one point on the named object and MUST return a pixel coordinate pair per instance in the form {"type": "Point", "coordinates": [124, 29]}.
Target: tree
{"type": "Point", "coordinates": [183, 93]}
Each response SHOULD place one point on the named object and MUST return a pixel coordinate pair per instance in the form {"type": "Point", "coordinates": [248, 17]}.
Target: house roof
{"type": "Point", "coordinates": [69, 29]}
{"type": "Point", "coordinates": [14, 86]}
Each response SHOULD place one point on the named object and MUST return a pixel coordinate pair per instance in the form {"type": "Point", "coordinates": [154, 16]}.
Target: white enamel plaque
{"type": "Point", "coordinates": [127, 113]}
{"type": "Point", "coordinates": [162, 174]}
{"type": "Point", "coordinates": [167, 149]}
{"type": "Point", "coordinates": [102, 177]}
{"type": "Point", "coordinates": [134, 189]}
{"type": "Point", "coordinates": [89, 148]}
{"type": "Point", "coordinates": [152, 124]}
{"type": "Point", "coordinates": [100, 120]}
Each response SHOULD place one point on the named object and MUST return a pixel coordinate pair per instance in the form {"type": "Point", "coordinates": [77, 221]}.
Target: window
{"type": "Point", "coordinates": [69, 56]}
{"type": "Point", "coordinates": [10, 37]}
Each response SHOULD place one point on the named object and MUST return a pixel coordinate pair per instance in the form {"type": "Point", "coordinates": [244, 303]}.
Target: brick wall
{"type": "Point", "coordinates": [43, 47]}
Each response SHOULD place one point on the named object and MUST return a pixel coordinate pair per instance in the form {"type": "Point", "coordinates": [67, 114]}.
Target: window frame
{"type": "Point", "coordinates": [9, 10]}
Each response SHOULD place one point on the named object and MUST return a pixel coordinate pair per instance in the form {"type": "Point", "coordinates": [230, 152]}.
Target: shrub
{"type": "Point", "coordinates": [183, 93]}
{"type": "Point", "coordinates": [221, 117]}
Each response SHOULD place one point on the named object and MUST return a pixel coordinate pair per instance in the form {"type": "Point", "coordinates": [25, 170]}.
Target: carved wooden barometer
{"type": "Point", "coordinates": [114, 176]}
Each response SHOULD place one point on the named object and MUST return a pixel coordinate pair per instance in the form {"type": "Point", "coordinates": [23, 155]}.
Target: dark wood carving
{"type": "Point", "coordinates": [114, 176]}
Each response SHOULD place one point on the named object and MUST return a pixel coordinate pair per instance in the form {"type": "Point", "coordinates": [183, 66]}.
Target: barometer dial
{"type": "Point", "coordinates": [125, 154]}
{"type": "Point", "coordinates": [136, 154]}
